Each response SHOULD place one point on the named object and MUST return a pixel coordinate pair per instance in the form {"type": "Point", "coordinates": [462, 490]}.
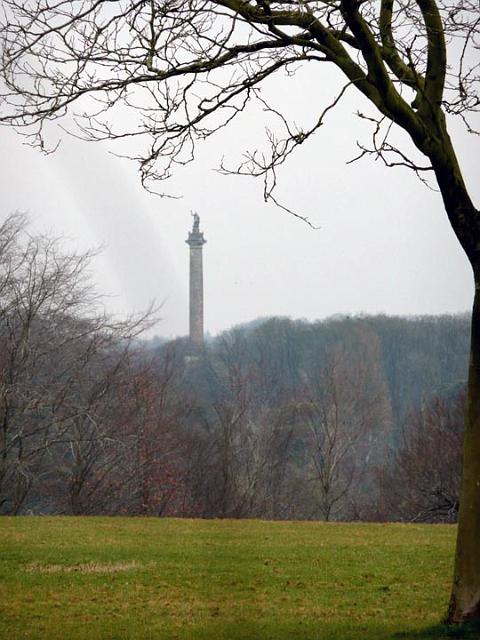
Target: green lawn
{"type": "Point", "coordinates": [122, 578]}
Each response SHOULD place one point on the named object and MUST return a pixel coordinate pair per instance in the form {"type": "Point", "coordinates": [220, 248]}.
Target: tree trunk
{"type": "Point", "coordinates": [465, 598]}
{"type": "Point", "coordinates": [465, 220]}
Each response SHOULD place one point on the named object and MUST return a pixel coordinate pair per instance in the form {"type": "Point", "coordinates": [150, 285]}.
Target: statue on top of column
{"type": "Point", "coordinates": [195, 236]}
{"type": "Point", "coordinates": [196, 222]}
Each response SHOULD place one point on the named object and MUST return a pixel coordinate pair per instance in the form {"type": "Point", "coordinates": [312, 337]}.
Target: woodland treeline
{"type": "Point", "coordinates": [348, 418]}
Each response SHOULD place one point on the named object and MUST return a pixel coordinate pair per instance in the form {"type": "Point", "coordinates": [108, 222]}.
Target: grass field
{"type": "Point", "coordinates": [132, 578]}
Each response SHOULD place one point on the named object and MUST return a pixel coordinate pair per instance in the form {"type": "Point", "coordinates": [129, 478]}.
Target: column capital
{"type": "Point", "coordinates": [195, 239]}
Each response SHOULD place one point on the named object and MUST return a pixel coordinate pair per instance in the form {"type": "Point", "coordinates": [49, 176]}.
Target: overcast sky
{"type": "Point", "coordinates": [384, 244]}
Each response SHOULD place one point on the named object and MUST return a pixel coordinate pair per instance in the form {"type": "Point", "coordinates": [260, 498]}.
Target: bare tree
{"type": "Point", "coordinates": [59, 358]}
{"type": "Point", "coordinates": [39, 288]}
{"type": "Point", "coordinates": [422, 482]}
{"type": "Point", "coordinates": [345, 415]}
{"type": "Point", "coordinates": [159, 413]}
{"type": "Point", "coordinates": [238, 447]}
{"type": "Point", "coordinates": [121, 450]}
{"type": "Point", "coordinates": [91, 459]}
{"type": "Point", "coordinates": [187, 68]}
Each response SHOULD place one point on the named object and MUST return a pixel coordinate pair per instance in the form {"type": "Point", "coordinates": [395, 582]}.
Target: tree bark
{"type": "Point", "coordinates": [465, 598]}
{"type": "Point", "coordinates": [465, 219]}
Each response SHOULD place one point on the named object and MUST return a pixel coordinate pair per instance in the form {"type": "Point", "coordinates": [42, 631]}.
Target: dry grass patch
{"type": "Point", "coordinates": [86, 567]}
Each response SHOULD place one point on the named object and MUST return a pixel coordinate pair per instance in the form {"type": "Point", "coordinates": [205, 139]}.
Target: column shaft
{"type": "Point", "coordinates": [196, 295]}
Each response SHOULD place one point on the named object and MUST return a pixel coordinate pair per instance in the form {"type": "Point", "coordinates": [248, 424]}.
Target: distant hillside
{"type": "Point", "coordinates": [414, 357]}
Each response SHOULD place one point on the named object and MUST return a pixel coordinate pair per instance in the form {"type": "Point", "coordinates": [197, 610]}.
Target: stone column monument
{"type": "Point", "coordinates": [196, 241]}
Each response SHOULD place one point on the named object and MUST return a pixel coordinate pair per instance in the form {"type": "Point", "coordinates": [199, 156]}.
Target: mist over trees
{"type": "Point", "coordinates": [344, 397]}
{"type": "Point", "coordinates": [346, 418]}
